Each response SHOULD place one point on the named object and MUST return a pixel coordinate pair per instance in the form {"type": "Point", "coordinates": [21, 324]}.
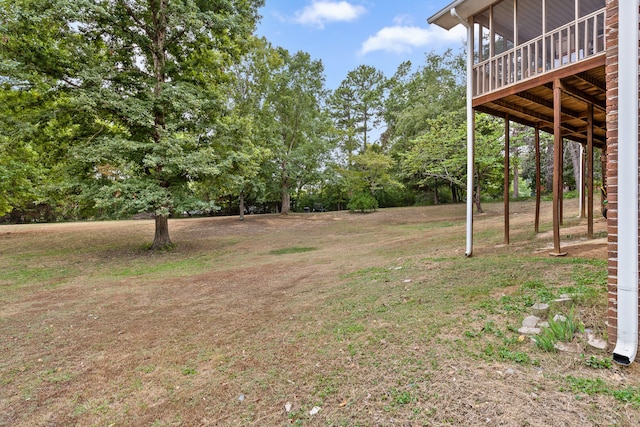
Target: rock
{"type": "Point", "coordinates": [567, 347]}
{"type": "Point", "coordinates": [543, 324]}
{"type": "Point", "coordinates": [314, 410]}
{"type": "Point", "coordinates": [540, 309]}
{"type": "Point", "coordinates": [559, 318]}
{"type": "Point", "coordinates": [562, 301]}
{"type": "Point", "coordinates": [560, 346]}
{"type": "Point", "coordinates": [596, 342]}
{"type": "Point", "coordinates": [287, 407]}
{"type": "Point", "coordinates": [526, 330]}
{"type": "Point", "coordinates": [530, 321]}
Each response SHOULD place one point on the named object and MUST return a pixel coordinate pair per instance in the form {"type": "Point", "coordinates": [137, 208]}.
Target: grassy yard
{"type": "Point", "coordinates": [324, 319]}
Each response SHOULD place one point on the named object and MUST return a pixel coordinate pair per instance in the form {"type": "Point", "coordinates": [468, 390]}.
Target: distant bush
{"type": "Point", "coordinates": [363, 202]}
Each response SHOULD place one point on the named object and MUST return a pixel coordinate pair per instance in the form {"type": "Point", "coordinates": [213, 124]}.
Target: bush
{"type": "Point", "coordinates": [363, 202]}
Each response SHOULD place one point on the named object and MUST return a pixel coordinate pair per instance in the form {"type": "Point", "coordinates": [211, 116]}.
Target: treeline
{"type": "Point", "coordinates": [112, 109]}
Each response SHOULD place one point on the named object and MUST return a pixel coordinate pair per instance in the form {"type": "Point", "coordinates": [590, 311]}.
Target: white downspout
{"type": "Point", "coordinates": [581, 184]}
{"type": "Point", "coordinates": [627, 341]}
{"type": "Point", "coordinates": [470, 131]}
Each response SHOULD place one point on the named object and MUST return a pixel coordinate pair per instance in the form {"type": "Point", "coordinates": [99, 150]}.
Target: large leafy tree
{"type": "Point", "coordinates": [435, 88]}
{"type": "Point", "coordinates": [19, 169]}
{"type": "Point", "coordinates": [437, 156]}
{"type": "Point", "coordinates": [297, 124]}
{"type": "Point", "coordinates": [146, 77]}
{"type": "Point", "coordinates": [247, 151]}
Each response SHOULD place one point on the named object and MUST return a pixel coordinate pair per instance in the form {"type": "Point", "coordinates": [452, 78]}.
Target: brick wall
{"type": "Point", "coordinates": [611, 36]}
{"type": "Point", "coordinates": [612, 165]}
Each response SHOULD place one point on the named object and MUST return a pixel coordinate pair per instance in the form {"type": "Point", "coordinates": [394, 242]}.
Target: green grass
{"type": "Point", "coordinates": [292, 250]}
{"type": "Point", "coordinates": [151, 267]}
{"type": "Point", "coordinates": [590, 387]}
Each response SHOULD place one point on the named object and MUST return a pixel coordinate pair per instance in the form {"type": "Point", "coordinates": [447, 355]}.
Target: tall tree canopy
{"type": "Point", "coordinates": [357, 106]}
{"type": "Point", "coordinates": [300, 130]}
{"type": "Point", "coordinates": [145, 80]}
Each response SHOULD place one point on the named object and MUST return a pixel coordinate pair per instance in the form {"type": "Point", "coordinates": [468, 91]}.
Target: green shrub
{"type": "Point", "coordinates": [362, 202]}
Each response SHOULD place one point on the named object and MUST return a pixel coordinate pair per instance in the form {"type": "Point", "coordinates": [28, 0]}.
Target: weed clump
{"type": "Point", "coordinates": [560, 329]}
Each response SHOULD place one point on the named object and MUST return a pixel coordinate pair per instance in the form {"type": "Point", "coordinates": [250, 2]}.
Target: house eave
{"type": "Point", "coordinates": [464, 8]}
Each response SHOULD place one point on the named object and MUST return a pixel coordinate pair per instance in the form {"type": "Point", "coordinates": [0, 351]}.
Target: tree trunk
{"type": "Point", "coordinates": [516, 188]}
{"type": "Point", "coordinates": [436, 200]}
{"type": "Point", "coordinates": [477, 196]}
{"type": "Point", "coordinates": [549, 168]}
{"type": "Point", "coordinates": [286, 201]}
{"type": "Point", "coordinates": [576, 161]}
{"type": "Point", "coordinates": [242, 206]}
{"type": "Point", "coordinates": [161, 239]}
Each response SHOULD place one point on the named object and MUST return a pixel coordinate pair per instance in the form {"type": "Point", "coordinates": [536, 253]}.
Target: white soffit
{"type": "Point", "coordinates": [465, 9]}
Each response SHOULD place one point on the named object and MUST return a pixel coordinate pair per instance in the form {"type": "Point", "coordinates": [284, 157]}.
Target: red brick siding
{"type": "Point", "coordinates": [612, 166]}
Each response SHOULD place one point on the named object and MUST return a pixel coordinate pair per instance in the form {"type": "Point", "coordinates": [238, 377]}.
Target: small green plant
{"type": "Point", "coordinates": [514, 356]}
{"type": "Point", "coordinates": [597, 362]}
{"type": "Point", "coordinates": [562, 329]}
{"type": "Point", "coordinates": [401, 397]}
{"type": "Point", "coordinates": [546, 341]}
{"type": "Point", "coordinates": [598, 386]}
{"type": "Point", "coordinates": [187, 370]}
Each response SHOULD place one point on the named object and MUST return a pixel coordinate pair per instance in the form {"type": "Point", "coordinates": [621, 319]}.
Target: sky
{"type": "Point", "coordinates": [347, 33]}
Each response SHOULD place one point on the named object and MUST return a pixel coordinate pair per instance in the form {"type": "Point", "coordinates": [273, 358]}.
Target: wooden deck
{"type": "Point", "coordinates": [531, 102]}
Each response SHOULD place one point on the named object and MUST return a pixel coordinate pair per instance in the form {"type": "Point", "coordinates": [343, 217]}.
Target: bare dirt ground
{"type": "Point", "coordinates": [373, 319]}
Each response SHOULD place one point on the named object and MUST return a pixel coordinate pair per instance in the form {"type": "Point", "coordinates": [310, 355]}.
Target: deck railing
{"type": "Point", "coordinates": [574, 42]}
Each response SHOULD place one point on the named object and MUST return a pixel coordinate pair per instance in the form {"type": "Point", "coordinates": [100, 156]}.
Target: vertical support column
{"type": "Point", "coordinates": [590, 171]}
{"type": "Point", "coordinates": [471, 128]}
{"type": "Point", "coordinates": [557, 168]}
{"type": "Point", "coordinates": [538, 178]}
{"type": "Point", "coordinates": [468, 23]}
{"type": "Point", "coordinates": [582, 211]}
{"type": "Point", "coordinates": [506, 180]}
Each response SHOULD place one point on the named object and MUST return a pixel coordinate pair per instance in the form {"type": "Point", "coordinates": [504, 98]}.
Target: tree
{"type": "Point", "coordinates": [146, 77]}
{"type": "Point", "coordinates": [19, 171]}
{"type": "Point", "coordinates": [437, 156]}
{"type": "Point", "coordinates": [435, 88]}
{"type": "Point", "coordinates": [297, 123]}
{"type": "Point", "coordinates": [371, 173]}
{"type": "Point", "coordinates": [489, 156]}
{"type": "Point", "coordinates": [247, 146]}
{"type": "Point", "coordinates": [357, 105]}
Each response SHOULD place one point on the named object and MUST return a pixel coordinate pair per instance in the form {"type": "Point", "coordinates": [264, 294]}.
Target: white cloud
{"type": "Point", "coordinates": [403, 39]}
{"type": "Point", "coordinates": [403, 20]}
{"type": "Point", "coordinates": [323, 11]}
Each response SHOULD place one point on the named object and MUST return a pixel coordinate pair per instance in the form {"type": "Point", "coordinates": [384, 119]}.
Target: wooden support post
{"type": "Point", "coordinates": [538, 178]}
{"type": "Point", "coordinates": [507, 181]}
{"type": "Point", "coordinates": [557, 169]}
{"type": "Point", "coordinates": [590, 171]}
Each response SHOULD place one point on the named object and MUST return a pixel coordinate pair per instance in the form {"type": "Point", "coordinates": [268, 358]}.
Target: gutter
{"type": "Point", "coordinates": [470, 132]}
{"type": "Point", "coordinates": [627, 299]}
